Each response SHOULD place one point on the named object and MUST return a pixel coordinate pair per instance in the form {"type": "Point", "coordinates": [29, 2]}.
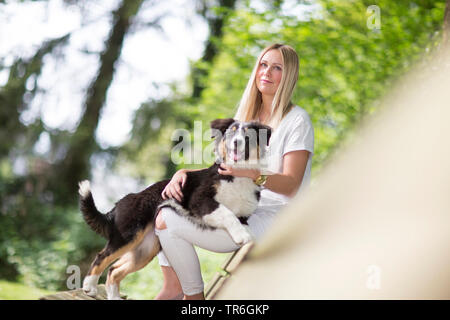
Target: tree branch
{"type": "Point", "coordinates": [76, 163]}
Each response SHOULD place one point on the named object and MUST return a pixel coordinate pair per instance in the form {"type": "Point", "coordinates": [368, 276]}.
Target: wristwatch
{"type": "Point", "coordinates": [261, 180]}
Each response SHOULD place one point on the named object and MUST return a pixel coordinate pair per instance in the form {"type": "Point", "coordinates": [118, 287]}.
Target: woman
{"type": "Point", "coordinates": [266, 99]}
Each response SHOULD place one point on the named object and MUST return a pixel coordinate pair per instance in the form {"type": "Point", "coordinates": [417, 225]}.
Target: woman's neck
{"type": "Point", "coordinates": [267, 103]}
{"type": "Point", "coordinates": [266, 108]}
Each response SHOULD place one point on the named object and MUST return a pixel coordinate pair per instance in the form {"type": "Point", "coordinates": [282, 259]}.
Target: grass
{"type": "Point", "coordinates": [141, 285]}
{"type": "Point", "coordinates": [146, 283]}
{"type": "Point", "coordinates": [18, 291]}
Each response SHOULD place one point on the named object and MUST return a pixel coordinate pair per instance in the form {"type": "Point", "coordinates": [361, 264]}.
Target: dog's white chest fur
{"type": "Point", "coordinates": [238, 196]}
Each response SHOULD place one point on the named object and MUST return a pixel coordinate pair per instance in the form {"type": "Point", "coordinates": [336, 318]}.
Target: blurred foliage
{"type": "Point", "coordinates": [16, 291]}
{"type": "Point", "coordinates": [345, 68]}
{"type": "Point", "coordinates": [38, 240]}
{"type": "Point", "coordinates": [146, 283]}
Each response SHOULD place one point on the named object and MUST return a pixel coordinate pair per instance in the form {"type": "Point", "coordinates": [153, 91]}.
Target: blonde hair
{"type": "Point", "coordinates": [250, 104]}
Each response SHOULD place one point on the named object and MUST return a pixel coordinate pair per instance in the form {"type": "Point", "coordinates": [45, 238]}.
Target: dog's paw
{"type": "Point", "coordinates": [241, 237]}
{"type": "Point", "coordinates": [112, 292]}
{"type": "Point", "coordinates": [91, 292]}
{"type": "Point", "coordinates": [90, 285]}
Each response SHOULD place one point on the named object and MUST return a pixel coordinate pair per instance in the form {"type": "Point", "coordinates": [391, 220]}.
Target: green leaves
{"type": "Point", "coordinates": [345, 67]}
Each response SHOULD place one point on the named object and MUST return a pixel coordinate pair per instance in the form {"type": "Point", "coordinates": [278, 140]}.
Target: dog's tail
{"type": "Point", "coordinates": [95, 219]}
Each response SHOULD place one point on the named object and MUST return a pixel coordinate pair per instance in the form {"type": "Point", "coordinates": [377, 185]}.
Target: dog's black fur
{"type": "Point", "coordinates": [127, 224]}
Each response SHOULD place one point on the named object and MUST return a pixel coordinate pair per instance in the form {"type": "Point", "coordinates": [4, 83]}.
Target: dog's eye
{"type": "Point", "coordinates": [234, 128]}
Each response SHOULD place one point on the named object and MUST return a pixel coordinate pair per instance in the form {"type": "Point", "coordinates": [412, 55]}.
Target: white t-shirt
{"type": "Point", "coordinates": [295, 132]}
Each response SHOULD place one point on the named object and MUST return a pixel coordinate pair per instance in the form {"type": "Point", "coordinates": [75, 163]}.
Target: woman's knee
{"type": "Point", "coordinates": [160, 224]}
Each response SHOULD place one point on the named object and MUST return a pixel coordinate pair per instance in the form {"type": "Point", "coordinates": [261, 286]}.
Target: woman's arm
{"type": "Point", "coordinates": [287, 182]}
{"type": "Point", "coordinates": [173, 188]}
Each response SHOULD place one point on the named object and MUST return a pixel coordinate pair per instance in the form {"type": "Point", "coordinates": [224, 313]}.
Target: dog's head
{"type": "Point", "coordinates": [240, 144]}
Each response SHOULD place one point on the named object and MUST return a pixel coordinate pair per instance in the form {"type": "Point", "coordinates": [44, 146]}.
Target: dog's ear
{"type": "Point", "coordinates": [262, 129]}
{"type": "Point", "coordinates": [221, 125]}
{"type": "Point", "coordinates": [269, 133]}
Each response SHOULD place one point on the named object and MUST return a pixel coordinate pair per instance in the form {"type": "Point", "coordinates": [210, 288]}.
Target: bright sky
{"type": "Point", "coordinates": [148, 56]}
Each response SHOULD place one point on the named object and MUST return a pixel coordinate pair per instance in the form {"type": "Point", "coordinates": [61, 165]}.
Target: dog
{"type": "Point", "coordinates": [211, 200]}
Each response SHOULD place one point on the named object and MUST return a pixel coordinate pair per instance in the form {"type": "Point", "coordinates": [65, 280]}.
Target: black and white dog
{"type": "Point", "coordinates": [211, 200]}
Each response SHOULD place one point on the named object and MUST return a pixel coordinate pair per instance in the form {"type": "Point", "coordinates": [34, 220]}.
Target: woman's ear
{"type": "Point", "coordinates": [221, 125]}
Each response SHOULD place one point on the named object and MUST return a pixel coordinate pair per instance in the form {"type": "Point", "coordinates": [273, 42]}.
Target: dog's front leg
{"type": "Point", "coordinates": [90, 285]}
{"type": "Point", "coordinates": [224, 218]}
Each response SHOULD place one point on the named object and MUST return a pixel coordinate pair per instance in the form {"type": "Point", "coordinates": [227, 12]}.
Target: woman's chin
{"type": "Point", "coordinates": [266, 90]}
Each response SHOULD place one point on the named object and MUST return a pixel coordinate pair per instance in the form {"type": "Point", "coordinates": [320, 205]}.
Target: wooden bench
{"type": "Point", "coordinates": [227, 270]}
{"type": "Point", "coordinates": [78, 294]}
{"type": "Point", "coordinates": [212, 288]}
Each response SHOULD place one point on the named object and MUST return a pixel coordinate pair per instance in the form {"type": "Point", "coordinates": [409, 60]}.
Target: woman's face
{"type": "Point", "coordinates": [269, 72]}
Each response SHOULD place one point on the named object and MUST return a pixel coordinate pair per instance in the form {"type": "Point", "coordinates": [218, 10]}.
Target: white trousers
{"type": "Point", "coordinates": [180, 236]}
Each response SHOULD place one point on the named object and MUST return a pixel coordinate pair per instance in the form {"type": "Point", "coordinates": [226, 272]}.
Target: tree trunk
{"type": "Point", "coordinates": [199, 74]}
{"type": "Point", "coordinates": [12, 95]}
{"type": "Point", "coordinates": [75, 166]}
{"type": "Point", "coordinates": [215, 33]}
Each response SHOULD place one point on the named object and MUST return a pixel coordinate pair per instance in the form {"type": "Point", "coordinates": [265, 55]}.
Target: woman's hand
{"type": "Point", "coordinates": [173, 188]}
{"type": "Point", "coordinates": [247, 173]}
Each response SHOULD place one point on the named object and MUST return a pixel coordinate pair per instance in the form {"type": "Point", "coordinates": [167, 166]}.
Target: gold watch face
{"type": "Point", "coordinates": [261, 179]}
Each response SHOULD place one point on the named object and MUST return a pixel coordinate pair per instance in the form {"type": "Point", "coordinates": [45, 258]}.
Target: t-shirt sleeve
{"type": "Point", "coordinates": [300, 137]}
